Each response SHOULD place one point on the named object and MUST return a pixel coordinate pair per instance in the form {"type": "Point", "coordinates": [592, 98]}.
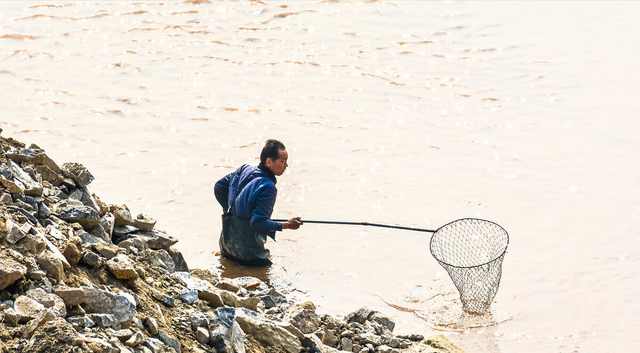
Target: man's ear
{"type": "Point", "coordinates": [269, 162]}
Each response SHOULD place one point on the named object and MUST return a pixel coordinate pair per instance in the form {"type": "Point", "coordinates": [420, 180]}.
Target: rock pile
{"type": "Point", "coordinates": [77, 275]}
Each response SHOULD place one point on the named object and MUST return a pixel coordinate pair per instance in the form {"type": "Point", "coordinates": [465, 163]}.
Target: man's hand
{"type": "Point", "coordinates": [293, 223]}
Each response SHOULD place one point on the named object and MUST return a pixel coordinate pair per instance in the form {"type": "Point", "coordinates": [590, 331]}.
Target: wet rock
{"type": "Point", "coordinates": [78, 173]}
{"type": "Point", "coordinates": [72, 254]}
{"type": "Point", "coordinates": [152, 325]}
{"type": "Point", "coordinates": [92, 259]}
{"type": "Point", "coordinates": [70, 296]}
{"type": "Point", "coordinates": [144, 222]}
{"type": "Point", "coordinates": [77, 212]}
{"type": "Point", "coordinates": [27, 308]}
{"type": "Point", "coordinates": [122, 267]}
{"type": "Point", "coordinates": [303, 317]}
{"type": "Point", "coordinates": [121, 306]}
{"type": "Point", "coordinates": [162, 259]}
{"type": "Point", "coordinates": [157, 240]}
{"type": "Point", "coordinates": [170, 341]}
{"type": "Point", "coordinates": [14, 232]}
{"type": "Point", "coordinates": [122, 215]}
{"type": "Point", "coordinates": [51, 264]}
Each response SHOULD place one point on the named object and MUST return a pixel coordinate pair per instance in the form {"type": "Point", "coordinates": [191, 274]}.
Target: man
{"type": "Point", "coordinates": [247, 197]}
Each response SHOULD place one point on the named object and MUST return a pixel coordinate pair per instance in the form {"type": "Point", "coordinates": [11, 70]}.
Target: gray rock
{"type": "Point", "coordinates": [359, 316]}
{"type": "Point", "coordinates": [104, 320]}
{"type": "Point", "coordinates": [14, 232]}
{"type": "Point", "coordinates": [54, 250]}
{"type": "Point", "coordinates": [192, 282]}
{"type": "Point", "coordinates": [22, 155]}
{"type": "Point", "coordinates": [80, 321]}
{"type": "Point", "coordinates": [347, 344]}
{"type": "Point", "coordinates": [124, 334]}
{"type": "Point", "coordinates": [189, 297]}
{"type": "Point", "coordinates": [303, 317]}
{"type": "Point", "coordinates": [157, 240]}
{"type": "Point", "coordinates": [144, 223]}
{"type": "Point", "coordinates": [383, 320]}
{"type": "Point", "coordinates": [98, 232]}
{"type": "Point", "coordinates": [162, 259]}
{"type": "Point", "coordinates": [74, 212]}
{"type": "Point", "coordinates": [107, 222]}
{"type": "Point", "coordinates": [49, 175]}
{"type": "Point", "coordinates": [89, 238]}
{"type": "Point", "coordinates": [120, 231]}
{"type": "Point", "coordinates": [370, 338]}
{"type": "Point", "coordinates": [133, 245]}
{"type": "Point", "coordinates": [178, 260]}
{"type": "Point", "coordinates": [170, 341]}
{"type": "Point", "coordinates": [202, 335]}
{"type": "Point", "coordinates": [92, 259]}
{"type": "Point", "coordinates": [76, 195]}
{"type": "Point", "coordinates": [6, 199]}
{"type": "Point", "coordinates": [88, 199]}
{"type": "Point", "coordinates": [51, 264]}
{"type": "Point", "coordinates": [43, 211]}
{"type": "Point", "coordinates": [10, 271]}
{"type": "Point", "coordinates": [70, 296]}
{"type": "Point", "coordinates": [230, 338]}
{"type": "Point", "coordinates": [31, 187]}
{"type": "Point", "coordinates": [13, 187]}
{"type": "Point", "coordinates": [12, 317]}
{"type": "Point", "coordinates": [121, 306]}
{"type": "Point", "coordinates": [153, 344]}
{"type": "Point", "coordinates": [198, 319]}
{"type": "Point", "coordinates": [152, 325]}
{"type": "Point", "coordinates": [78, 173]}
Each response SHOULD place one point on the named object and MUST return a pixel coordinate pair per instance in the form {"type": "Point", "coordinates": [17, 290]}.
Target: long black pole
{"type": "Point", "coordinates": [361, 224]}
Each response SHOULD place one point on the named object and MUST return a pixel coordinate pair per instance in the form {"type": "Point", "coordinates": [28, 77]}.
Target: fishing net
{"type": "Point", "coordinates": [472, 250]}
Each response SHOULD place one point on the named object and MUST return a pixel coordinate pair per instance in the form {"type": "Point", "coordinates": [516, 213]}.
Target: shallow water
{"type": "Point", "coordinates": [411, 113]}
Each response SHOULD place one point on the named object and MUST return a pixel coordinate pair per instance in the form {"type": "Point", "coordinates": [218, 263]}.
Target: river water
{"type": "Point", "coordinates": [412, 113]}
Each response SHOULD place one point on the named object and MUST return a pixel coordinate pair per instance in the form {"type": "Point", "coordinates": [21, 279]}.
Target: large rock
{"type": "Point", "coordinates": [49, 300]}
{"type": "Point", "coordinates": [10, 271]}
{"type": "Point", "coordinates": [72, 254]}
{"type": "Point", "coordinates": [171, 342]}
{"type": "Point", "coordinates": [75, 211]}
{"type": "Point", "coordinates": [27, 308]}
{"type": "Point", "coordinates": [49, 175]}
{"type": "Point", "coordinates": [303, 317]}
{"type": "Point", "coordinates": [70, 296]}
{"type": "Point", "coordinates": [144, 223]}
{"type": "Point", "coordinates": [383, 320]}
{"type": "Point", "coordinates": [360, 316]}
{"type": "Point", "coordinates": [13, 187]}
{"type": "Point", "coordinates": [121, 306]}
{"type": "Point", "coordinates": [269, 334]}
{"type": "Point", "coordinates": [52, 264]}
{"type": "Point", "coordinates": [108, 251]}
{"type": "Point", "coordinates": [122, 267]}
{"type": "Point", "coordinates": [78, 173]}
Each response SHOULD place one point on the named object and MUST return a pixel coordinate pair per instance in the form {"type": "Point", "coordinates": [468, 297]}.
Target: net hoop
{"type": "Point", "coordinates": [435, 234]}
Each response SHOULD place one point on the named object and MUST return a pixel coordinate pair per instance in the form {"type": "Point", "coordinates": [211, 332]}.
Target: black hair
{"type": "Point", "coordinates": [271, 150]}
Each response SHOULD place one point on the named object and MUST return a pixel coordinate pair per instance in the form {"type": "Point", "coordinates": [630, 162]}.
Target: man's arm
{"type": "Point", "coordinates": [221, 190]}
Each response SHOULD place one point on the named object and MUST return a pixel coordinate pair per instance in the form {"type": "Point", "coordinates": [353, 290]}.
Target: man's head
{"type": "Point", "coordinates": [274, 156]}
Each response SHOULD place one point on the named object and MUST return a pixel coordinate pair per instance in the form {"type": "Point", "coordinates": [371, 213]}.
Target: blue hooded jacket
{"type": "Point", "coordinates": [255, 201]}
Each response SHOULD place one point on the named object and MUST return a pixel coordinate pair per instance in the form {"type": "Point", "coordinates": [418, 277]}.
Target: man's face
{"type": "Point", "coordinates": [279, 165]}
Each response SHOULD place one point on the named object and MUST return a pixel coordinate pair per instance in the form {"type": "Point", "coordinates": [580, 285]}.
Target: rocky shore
{"type": "Point", "coordinates": [77, 275]}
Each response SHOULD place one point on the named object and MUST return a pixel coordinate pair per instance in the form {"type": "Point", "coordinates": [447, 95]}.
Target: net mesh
{"type": "Point", "coordinates": [472, 250]}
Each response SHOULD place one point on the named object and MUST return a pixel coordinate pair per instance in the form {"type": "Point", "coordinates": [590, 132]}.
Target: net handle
{"type": "Point", "coordinates": [361, 224]}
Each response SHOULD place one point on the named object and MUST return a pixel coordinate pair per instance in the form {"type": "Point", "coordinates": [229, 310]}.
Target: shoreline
{"type": "Point", "coordinates": [77, 275]}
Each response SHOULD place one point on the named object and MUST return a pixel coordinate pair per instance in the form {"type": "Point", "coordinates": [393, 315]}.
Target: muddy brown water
{"type": "Point", "coordinates": [398, 112]}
